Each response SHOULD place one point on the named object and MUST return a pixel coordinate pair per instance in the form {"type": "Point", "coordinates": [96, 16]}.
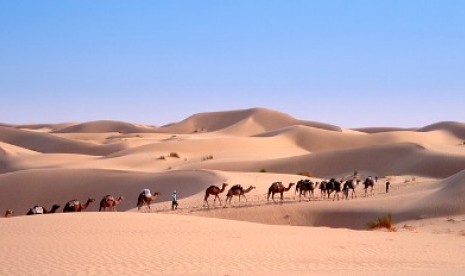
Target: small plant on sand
{"type": "Point", "coordinates": [382, 222]}
{"type": "Point", "coordinates": [209, 157]}
{"type": "Point", "coordinates": [162, 158]}
{"type": "Point", "coordinates": [263, 170]}
{"type": "Point", "coordinates": [307, 174]}
{"type": "Point", "coordinates": [174, 154]}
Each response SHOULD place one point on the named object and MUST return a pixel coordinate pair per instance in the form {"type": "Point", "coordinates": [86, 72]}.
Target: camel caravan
{"type": "Point", "coordinates": [331, 189]}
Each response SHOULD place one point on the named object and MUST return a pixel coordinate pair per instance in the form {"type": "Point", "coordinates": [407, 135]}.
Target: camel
{"type": "Point", "coordinates": [349, 185]}
{"type": "Point", "coordinates": [323, 188]}
{"type": "Point", "coordinates": [39, 210]}
{"type": "Point", "coordinates": [337, 188]}
{"type": "Point", "coordinates": [304, 186]}
{"type": "Point", "coordinates": [146, 198]}
{"type": "Point", "coordinates": [237, 190]}
{"type": "Point", "coordinates": [278, 187]}
{"type": "Point", "coordinates": [76, 206]}
{"type": "Point", "coordinates": [368, 183]}
{"type": "Point", "coordinates": [214, 190]}
{"type": "Point", "coordinates": [110, 202]}
{"type": "Point", "coordinates": [8, 213]}
{"type": "Point", "coordinates": [330, 187]}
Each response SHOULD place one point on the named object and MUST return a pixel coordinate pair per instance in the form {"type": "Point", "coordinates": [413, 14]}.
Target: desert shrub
{"type": "Point", "coordinates": [263, 170]}
{"type": "Point", "coordinates": [307, 174]}
{"type": "Point", "coordinates": [209, 157]}
{"type": "Point", "coordinates": [162, 158]}
{"type": "Point", "coordinates": [174, 154]}
{"type": "Point", "coordinates": [382, 222]}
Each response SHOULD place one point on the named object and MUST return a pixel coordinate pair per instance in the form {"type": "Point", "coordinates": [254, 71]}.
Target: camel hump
{"type": "Point", "coordinates": [37, 210]}
{"type": "Point", "coordinates": [109, 198]}
{"type": "Point", "coordinates": [146, 193]}
{"type": "Point", "coordinates": [237, 186]}
{"type": "Point", "coordinates": [73, 203]}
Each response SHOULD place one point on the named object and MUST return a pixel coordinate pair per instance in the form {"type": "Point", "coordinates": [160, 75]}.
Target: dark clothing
{"type": "Point", "coordinates": [387, 186]}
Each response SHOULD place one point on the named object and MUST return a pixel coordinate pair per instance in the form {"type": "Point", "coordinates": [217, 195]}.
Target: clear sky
{"type": "Point", "coordinates": [348, 63]}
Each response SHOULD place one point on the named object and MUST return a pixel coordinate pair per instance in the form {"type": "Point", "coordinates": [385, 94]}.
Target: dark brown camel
{"type": "Point", "coordinates": [8, 213]}
{"type": "Point", "coordinates": [110, 202]}
{"type": "Point", "coordinates": [278, 187]}
{"type": "Point", "coordinates": [237, 190]}
{"type": "Point", "coordinates": [146, 199]}
{"type": "Point", "coordinates": [304, 186]}
{"type": "Point", "coordinates": [368, 183]}
{"type": "Point", "coordinates": [39, 210]}
{"type": "Point", "coordinates": [214, 190]}
{"type": "Point", "coordinates": [76, 206]}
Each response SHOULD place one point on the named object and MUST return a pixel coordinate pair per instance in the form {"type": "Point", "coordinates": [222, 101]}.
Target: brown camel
{"type": "Point", "coordinates": [8, 213]}
{"type": "Point", "coordinates": [237, 190]}
{"type": "Point", "coordinates": [146, 199]}
{"type": "Point", "coordinates": [278, 187]}
{"type": "Point", "coordinates": [110, 202]}
{"type": "Point", "coordinates": [214, 190]}
{"type": "Point", "coordinates": [76, 206]}
{"type": "Point", "coordinates": [39, 210]}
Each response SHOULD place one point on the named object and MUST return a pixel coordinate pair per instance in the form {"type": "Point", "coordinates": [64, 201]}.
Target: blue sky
{"type": "Point", "coordinates": [349, 63]}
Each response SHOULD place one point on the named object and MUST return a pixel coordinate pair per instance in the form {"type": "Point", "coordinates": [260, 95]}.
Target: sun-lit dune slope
{"type": "Point", "coordinates": [106, 126]}
{"type": "Point", "coordinates": [43, 127]}
{"type": "Point", "coordinates": [49, 143]}
{"type": "Point", "coordinates": [455, 128]}
{"type": "Point", "coordinates": [399, 159]}
{"type": "Point", "coordinates": [23, 189]}
{"type": "Point", "coordinates": [240, 122]}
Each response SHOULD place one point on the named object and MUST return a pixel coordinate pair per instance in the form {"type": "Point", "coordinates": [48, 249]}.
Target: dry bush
{"type": "Point", "coordinates": [307, 174]}
{"type": "Point", "coordinates": [263, 171]}
{"type": "Point", "coordinates": [209, 157]}
{"type": "Point", "coordinates": [382, 222]}
{"type": "Point", "coordinates": [174, 154]}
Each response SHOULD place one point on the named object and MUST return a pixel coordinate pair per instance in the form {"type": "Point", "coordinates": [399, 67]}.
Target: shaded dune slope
{"type": "Point", "coordinates": [392, 159]}
{"type": "Point", "coordinates": [24, 189]}
{"type": "Point", "coordinates": [48, 143]}
{"type": "Point", "coordinates": [105, 126]}
{"type": "Point", "coordinates": [455, 128]}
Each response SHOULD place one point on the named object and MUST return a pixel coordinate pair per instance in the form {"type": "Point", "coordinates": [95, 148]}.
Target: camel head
{"type": "Point", "coordinates": [54, 208]}
{"type": "Point", "coordinates": [90, 199]}
{"type": "Point", "coordinates": [250, 189]}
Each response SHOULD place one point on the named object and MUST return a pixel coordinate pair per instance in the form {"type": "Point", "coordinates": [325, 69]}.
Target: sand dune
{"type": "Point", "coordinates": [455, 128]}
{"type": "Point", "coordinates": [24, 189]}
{"type": "Point", "coordinates": [48, 143]}
{"type": "Point", "coordinates": [246, 122]}
{"type": "Point", "coordinates": [105, 126]}
{"type": "Point", "coordinates": [44, 164]}
{"type": "Point", "coordinates": [399, 159]}
{"type": "Point", "coordinates": [137, 244]}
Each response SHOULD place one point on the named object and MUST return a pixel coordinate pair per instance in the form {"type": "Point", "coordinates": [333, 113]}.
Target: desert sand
{"type": "Point", "coordinates": [45, 164]}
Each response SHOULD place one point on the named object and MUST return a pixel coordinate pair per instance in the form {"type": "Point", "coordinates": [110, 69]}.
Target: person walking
{"type": "Point", "coordinates": [388, 184]}
{"type": "Point", "coordinates": [174, 201]}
